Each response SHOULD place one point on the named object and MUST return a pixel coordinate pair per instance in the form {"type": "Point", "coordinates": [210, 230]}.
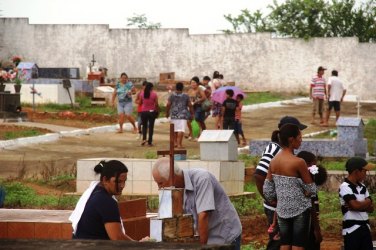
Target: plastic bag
{"type": "Point", "coordinates": [195, 129]}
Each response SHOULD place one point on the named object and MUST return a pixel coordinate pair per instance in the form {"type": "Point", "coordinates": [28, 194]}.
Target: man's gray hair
{"type": "Point", "coordinates": [162, 165]}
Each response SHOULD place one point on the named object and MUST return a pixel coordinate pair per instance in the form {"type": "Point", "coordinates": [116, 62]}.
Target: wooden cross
{"type": "Point", "coordinates": [171, 153]}
{"type": "Point", "coordinates": [93, 61]}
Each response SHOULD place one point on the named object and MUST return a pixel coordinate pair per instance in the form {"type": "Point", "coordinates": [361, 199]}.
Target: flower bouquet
{"type": "Point", "coordinates": [16, 60]}
{"type": "Point", "coordinates": [4, 77]}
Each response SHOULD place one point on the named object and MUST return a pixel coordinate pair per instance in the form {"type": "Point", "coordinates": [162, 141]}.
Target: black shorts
{"type": "Point", "coordinates": [335, 104]}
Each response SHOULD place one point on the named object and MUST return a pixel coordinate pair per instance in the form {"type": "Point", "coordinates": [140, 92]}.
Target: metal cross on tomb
{"type": "Point", "coordinates": [171, 154]}
{"type": "Point", "coordinates": [93, 61]}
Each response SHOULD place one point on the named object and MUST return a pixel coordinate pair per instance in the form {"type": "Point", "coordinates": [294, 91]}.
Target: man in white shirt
{"type": "Point", "coordinates": [336, 92]}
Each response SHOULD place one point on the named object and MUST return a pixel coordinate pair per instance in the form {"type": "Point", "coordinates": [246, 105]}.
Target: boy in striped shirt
{"type": "Point", "coordinates": [356, 203]}
{"type": "Point", "coordinates": [317, 92]}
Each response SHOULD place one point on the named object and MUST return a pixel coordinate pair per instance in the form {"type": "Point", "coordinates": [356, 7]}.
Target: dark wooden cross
{"type": "Point", "coordinates": [171, 154]}
{"type": "Point", "coordinates": [93, 61]}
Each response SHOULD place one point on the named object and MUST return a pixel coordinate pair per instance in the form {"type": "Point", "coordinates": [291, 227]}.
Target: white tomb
{"type": "Point", "coordinates": [218, 145]}
{"type": "Point", "coordinates": [230, 174]}
{"type": "Point", "coordinates": [47, 93]}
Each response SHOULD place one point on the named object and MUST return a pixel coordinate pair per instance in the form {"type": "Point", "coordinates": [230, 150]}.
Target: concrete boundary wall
{"type": "Point", "coordinates": [255, 61]}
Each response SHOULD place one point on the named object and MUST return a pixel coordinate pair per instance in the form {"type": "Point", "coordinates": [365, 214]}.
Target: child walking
{"type": "Point", "coordinates": [228, 110]}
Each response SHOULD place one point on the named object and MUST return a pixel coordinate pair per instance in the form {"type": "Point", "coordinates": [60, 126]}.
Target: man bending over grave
{"type": "Point", "coordinates": [215, 218]}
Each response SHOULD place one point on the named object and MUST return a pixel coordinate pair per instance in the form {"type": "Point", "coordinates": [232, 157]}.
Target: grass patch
{"type": "Point", "coordinates": [19, 195]}
{"type": "Point", "coordinates": [334, 164]}
{"type": "Point", "coordinates": [370, 134]}
{"type": "Point", "coordinates": [262, 97]}
{"type": "Point", "coordinates": [248, 206]}
{"type": "Point", "coordinates": [86, 107]}
{"type": "Point", "coordinates": [253, 246]}
{"type": "Point", "coordinates": [10, 135]}
{"type": "Point", "coordinates": [249, 161]}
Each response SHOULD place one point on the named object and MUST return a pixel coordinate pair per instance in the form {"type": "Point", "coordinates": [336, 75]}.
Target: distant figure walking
{"type": "Point", "coordinates": [317, 92]}
{"type": "Point", "coordinates": [124, 90]}
{"type": "Point", "coordinates": [150, 111]}
{"type": "Point", "coordinates": [180, 109]}
{"type": "Point", "coordinates": [336, 93]}
{"type": "Point", "coordinates": [228, 110]}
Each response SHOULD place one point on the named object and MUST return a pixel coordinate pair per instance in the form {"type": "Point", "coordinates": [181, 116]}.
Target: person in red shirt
{"type": "Point", "coordinates": [317, 92]}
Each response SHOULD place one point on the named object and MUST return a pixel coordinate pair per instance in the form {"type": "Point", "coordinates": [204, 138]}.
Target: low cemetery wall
{"type": "Point", "coordinates": [140, 181]}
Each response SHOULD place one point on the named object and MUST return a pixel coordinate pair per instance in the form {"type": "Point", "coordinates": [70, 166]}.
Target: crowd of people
{"type": "Point", "coordinates": [185, 108]}
{"type": "Point", "coordinates": [287, 182]}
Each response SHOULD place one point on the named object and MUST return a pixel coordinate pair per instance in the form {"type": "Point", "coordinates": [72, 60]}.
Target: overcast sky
{"type": "Point", "coordinates": [199, 16]}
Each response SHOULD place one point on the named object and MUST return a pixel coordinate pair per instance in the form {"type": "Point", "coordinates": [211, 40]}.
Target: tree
{"type": "Point", "coordinates": [141, 22]}
{"type": "Point", "coordinates": [247, 22]}
{"type": "Point", "coordinates": [312, 18]}
{"type": "Point", "coordinates": [298, 18]}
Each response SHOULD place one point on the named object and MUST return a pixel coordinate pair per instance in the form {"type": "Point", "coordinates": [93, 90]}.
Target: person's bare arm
{"type": "Point", "coordinates": [114, 231]}
{"type": "Point", "coordinates": [190, 106]}
{"type": "Point", "coordinates": [303, 172]}
{"type": "Point", "coordinates": [343, 95]}
{"type": "Point", "coordinates": [202, 96]}
{"type": "Point", "coordinates": [168, 106]}
{"type": "Point", "coordinates": [260, 179]}
{"type": "Point", "coordinates": [329, 87]}
{"type": "Point", "coordinates": [310, 92]}
{"type": "Point", "coordinates": [113, 97]}
{"type": "Point", "coordinates": [356, 205]}
{"type": "Point", "coordinates": [203, 226]}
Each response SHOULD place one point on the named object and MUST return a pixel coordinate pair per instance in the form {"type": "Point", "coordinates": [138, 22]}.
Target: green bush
{"type": "Point", "coordinates": [19, 195]}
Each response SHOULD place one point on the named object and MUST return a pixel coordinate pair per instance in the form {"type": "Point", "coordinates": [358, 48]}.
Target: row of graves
{"type": "Point", "coordinates": [170, 227]}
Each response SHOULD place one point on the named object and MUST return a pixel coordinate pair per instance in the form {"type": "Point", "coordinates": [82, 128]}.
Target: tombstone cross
{"type": "Point", "coordinates": [171, 154]}
{"type": "Point", "coordinates": [93, 61]}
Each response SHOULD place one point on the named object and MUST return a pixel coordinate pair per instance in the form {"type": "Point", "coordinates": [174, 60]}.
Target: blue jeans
{"type": "Point", "coordinates": [237, 242]}
{"type": "Point", "coordinates": [294, 231]}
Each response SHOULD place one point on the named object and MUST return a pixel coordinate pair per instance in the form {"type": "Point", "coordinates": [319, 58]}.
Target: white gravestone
{"type": "Point", "coordinates": [218, 145]}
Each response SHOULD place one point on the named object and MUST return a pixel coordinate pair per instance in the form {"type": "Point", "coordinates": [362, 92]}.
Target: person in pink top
{"type": "Point", "coordinates": [317, 92]}
{"type": "Point", "coordinates": [150, 111]}
{"type": "Point", "coordinates": [139, 111]}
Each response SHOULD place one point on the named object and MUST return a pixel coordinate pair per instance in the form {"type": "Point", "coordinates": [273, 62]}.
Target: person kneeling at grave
{"type": "Point", "coordinates": [215, 218]}
{"type": "Point", "coordinates": [97, 215]}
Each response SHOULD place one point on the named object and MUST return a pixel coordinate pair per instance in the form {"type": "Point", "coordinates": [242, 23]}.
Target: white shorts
{"type": "Point", "coordinates": [179, 125]}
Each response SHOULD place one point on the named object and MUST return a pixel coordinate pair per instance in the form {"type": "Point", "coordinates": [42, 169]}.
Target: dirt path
{"type": "Point", "coordinates": [46, 159]}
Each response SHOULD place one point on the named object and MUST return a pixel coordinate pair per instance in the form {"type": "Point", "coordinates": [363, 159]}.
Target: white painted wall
{"type": "Point", "coordinates": [49, 93]}
{"type": "Point", "coordinates": [255, 61]}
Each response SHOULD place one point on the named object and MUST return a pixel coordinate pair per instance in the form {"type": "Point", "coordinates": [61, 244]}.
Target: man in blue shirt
{"type": "Point", "coordinates": [215, 218]}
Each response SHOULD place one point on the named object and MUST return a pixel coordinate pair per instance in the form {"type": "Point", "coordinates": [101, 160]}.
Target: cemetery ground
{"type": "Point", "coordinates": [53, 163]}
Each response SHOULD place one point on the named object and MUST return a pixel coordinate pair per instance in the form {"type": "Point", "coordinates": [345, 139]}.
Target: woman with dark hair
{"type": "Point", "coordinates": [97, 215]}
{"type": "Point", "coordinates": [290, 184]}
{"type": "Point", "coordinates": [150, 111]}
{"type": "Point", "coordinates": [124, 90]}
